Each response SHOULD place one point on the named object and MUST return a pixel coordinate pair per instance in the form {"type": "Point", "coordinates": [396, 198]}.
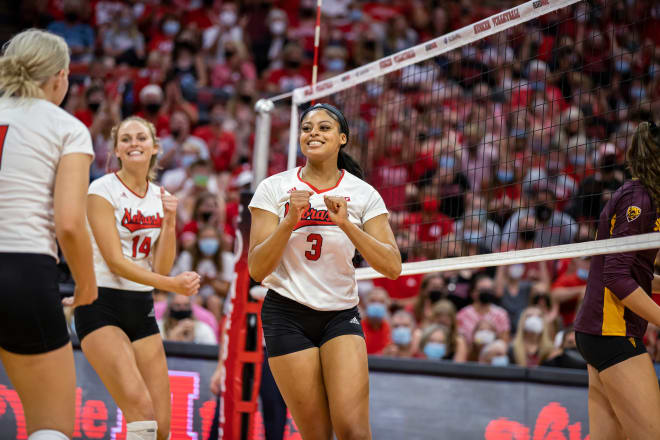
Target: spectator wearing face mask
{"type": "Point", "coordinates": [483, 334]}
{"type": "Point", "coordinates": [552, 227]}
{"type": "Point", "coordinates": [123, 40]}
{"type": "Point", "coordinates": [235, 70]}
{"type": "Point", "coordinates": [180, 325]}
{"type": "Point", "coordinates": [495, 354]}
{"type": "Point", "coordinates": [435, 343]}
{"type": "Point", "coordinates": [531, 344]}
{"type": "Point", "coordinates": [568, 290]}
{"type": "Point", "coordinates": [405, 336]}
{"type": "Point", "coordinates": [215, 267]}
{"type": "Point", "coordinates": [512, 290]}
{"type": "Point", "coordinates": [207, 211]}
{"type": "Point", "coordinates": [444, 313]}
{"type": "Point", "coordinates": [173, 154]}
{"type": "Point", "coordinates": [219, 138]}
{"type": "Point", "coordinates": [151, 101]}
{"type": "Point", "coordinates": [77, 34]}
{"type": "Point", "coordinates": [483, 308]}
{"type": "Point", "coordinates": [432, 290]}
{"type": "Point", "coordinates": [228, 27]}
{"type": "Point", "coordinates": [199, 179]}
{"type": "Point", "coordinates": [540, 297]}
{"type": "Point", "coordinates": [567, 356]}
{"type": "Point", "coordinates": [377, 331]}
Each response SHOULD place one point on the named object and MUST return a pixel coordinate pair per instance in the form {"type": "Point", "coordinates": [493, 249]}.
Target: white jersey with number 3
{"type": "Point", "coordinates": [316, 268]}
{"type": "Point", "coordinates": [138, 220]}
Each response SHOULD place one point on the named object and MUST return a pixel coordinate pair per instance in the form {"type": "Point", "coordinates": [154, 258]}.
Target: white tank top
{"type": "Point", "coordinates": [34, 135]}
{"type": "Point", "coordinates": [316, 268]}
{"type": "Point", "coordinates": [138, 220]}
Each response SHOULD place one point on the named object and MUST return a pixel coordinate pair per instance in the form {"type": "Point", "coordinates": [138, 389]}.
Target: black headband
{"type": "Point", "coordinates": [343, 125]}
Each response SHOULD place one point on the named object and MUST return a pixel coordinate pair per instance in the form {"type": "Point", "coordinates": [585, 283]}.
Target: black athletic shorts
{"type": "Point", "coordinates": [31, 315]}
{"type": "Point", "coordinates": [601, 352]}
{"type": "Point", "coordinates": [290, 326]}
{"type": "Point", "coordinates": [131, 311]}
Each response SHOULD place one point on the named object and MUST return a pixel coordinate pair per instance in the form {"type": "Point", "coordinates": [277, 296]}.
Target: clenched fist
{"type": "Point", "coordinates": [298, 203]}
{"type": "Point", "coordinates": [337, 209]}
{"type": "Point", "coordinates": [186, 283]}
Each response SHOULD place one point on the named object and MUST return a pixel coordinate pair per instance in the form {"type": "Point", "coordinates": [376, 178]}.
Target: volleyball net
{"type": "Point", "coordinates": [500, 142]}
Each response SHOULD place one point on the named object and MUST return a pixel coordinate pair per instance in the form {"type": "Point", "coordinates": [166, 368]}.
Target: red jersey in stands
{"type": "Point", "coordinates": [377, 338]}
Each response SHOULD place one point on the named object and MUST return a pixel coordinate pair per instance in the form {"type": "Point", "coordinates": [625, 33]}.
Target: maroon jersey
{"type": "Point", "coordinates": [612, 277]}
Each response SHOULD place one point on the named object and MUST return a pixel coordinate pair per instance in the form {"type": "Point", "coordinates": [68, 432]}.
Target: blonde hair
{"type": "Point", "coordinates": [152, 130]}
{"type": "Point", "coordinates": [545, 343]}
{"type": "Point", "coordinates": [29, 59]}
{"type": "Point", "coordinates": [643, 158]}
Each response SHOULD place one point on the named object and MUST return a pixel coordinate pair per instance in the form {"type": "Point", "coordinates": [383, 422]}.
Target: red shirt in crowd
{"type": "Point", "coordinates": [376, 338]}
{"type": "Point", "coordinates": [567, 309]}
{"type": "Point", "coordinates": [405, 286]}
{"type": "Point", "coordinates": [222, 145]}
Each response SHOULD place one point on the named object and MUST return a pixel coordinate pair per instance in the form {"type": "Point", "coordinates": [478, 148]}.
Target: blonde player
{"type": "Point", "coordinates": [45, 155]}
{"type": "Point", "coordinates": [133, 222]}
{"type": "Point", "coordinates": [306, 224]}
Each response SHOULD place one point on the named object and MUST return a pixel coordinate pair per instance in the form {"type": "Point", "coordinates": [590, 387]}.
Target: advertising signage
{"type": "Point", "coordinates": [403, 406]}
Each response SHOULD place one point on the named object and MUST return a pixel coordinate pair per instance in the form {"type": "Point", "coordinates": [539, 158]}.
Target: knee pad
{"type": "Point", "coordinates": [47, 434]}
{"type": "Point", "coordinates": [143, 430]}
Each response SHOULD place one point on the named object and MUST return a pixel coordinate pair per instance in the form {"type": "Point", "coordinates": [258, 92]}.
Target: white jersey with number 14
{"type": "Point", "coordinates": [316, 268]}
{"type": "Point", "coordinates": [138, 220]}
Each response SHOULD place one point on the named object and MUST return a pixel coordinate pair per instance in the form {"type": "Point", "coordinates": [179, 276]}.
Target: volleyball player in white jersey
{"type": "Point", "coordinates": [306, 224]}
{"type": "Point", "coordinates": [133, 224]}
{"type": "Point", "coordinates": [45, 155]}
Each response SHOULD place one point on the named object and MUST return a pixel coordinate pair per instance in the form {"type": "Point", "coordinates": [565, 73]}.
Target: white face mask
{"type": "Point", "coordinates": [484, 337]}
{"type": "Point", "coordinates": [534, 324]}
{"type": "Point", "coordinates": [228, 18]}
{"type": "Point", "coordinates": [516, 271]}
{"type": "Point", "coordinates": [277, 27]}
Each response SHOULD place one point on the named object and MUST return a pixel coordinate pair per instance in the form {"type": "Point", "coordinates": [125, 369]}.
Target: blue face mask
{"type": "Point", "coordinates": [171, 27]}
{"type": "Point", "coordinates": [188, 160]}
{"type": "Point", "coordinates": [500, 361]}
{"type": "Point", "coordinates": [401, 336]}
{"type": "Point", "coordinates": [505, 176]}
{"type": "Point", "coordinates": [622, 66]}
{"type": "Point", "coordinates": [578, 160]}
{"type": "Point", "coordinates": [208, 246]}
{"type": "Point", "coordinates": [435, 350]}
{"type": "Point", "coordinates": [638, 93]}
{"type": "Point", "coordinates": [376, 311]}
{"type": "Point", "coordinates": [471, 237]}
{"type": "Point", "coordinates": [336, 65]}
{"type": "Point", "coordinates": [446, 162]}
{"type": "Point", "coordinates": [583, 274]}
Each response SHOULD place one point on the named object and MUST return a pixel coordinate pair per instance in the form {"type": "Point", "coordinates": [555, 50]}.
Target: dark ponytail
{"type": "Point", "coordinates": [344, 160]}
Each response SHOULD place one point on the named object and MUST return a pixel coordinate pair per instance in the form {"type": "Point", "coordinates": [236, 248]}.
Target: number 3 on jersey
{"type": "Point", "coordinates": [315, 253]}
{"type": "Point", "coordinates": [145, 247]}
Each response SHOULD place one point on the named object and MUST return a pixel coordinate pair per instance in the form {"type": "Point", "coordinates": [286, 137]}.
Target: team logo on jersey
{"type": "Point", "coordinates": [633, 212]}
{"type": "Point", "coordinates": [311, 217]}
{"type": "Point", "coordinates": [135, 222]}
{"type": "Point", "coordinates": [657, 225]}
{"type": "Point", "coordinates": [291, 190]}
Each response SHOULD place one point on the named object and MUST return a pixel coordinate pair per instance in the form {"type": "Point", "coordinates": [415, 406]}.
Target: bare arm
{"type": "Point", "coordinates": [71, 182]}
{"type": "Point", "coordinates": [166, 246]}
{"type": "Point", "coordinates": [640, 303]}
{"type": "Point", "coordinates": [562, 294]}
{"type": "Point", "coordinates": [100, 214]}
{"type": "Point", "coordinates": [268, 240]}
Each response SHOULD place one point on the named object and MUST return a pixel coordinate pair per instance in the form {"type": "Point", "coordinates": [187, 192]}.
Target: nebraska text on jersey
{"type": "Point", "coordinates": [311, 217]}
{"type": "Point", "coordinates": [135, 222]}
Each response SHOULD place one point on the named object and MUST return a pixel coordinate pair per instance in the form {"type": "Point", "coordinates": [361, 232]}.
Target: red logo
{"type": "Point", "coordinates": [135, 222]}
{"type": "Point", "coordinates": [291, 190]}
{"type": "Point", "coordinates": [311, 217]}
{"type": "Point", "coordinates": [481, 27]}
{"type": "Point", "coordinates": [404, 56]}
{"type": "Point", "coordinates": [506, 16]}
{"type": "Point", "coordinates": [551, 423]}
{"type": "Point", "coordinates": [385, 63]}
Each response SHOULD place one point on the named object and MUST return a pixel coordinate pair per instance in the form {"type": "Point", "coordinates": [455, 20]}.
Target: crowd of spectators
{"type": "Point", "coordinates": [513, 142]}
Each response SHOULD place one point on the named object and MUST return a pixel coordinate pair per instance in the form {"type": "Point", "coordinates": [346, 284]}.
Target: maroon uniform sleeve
{"type": "Point", "coordinates": [632, 213]}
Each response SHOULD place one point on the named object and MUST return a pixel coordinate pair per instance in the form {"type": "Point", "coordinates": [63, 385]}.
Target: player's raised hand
{"type": "Point", "coordinates": [298, 203]}
{"type": "Point", "coordinates": [169, 203]}
{"type": "Point", "coordinates": [186, 283]}
{"type": "Point", "coordinates": [337, 209]}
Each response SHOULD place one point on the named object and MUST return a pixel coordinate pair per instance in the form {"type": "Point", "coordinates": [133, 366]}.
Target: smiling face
{"type": "Point", "coordinates": [320, 136]}
{"type": "Point", "coordinates": [135, 143]}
